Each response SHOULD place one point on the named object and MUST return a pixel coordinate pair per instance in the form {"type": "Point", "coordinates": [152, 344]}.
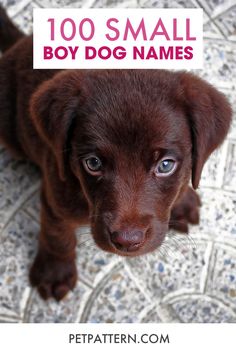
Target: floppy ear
{"type": "Point", "coordinates": [53, 110]}
{"type": "Point", "coordinates": [209, 114]}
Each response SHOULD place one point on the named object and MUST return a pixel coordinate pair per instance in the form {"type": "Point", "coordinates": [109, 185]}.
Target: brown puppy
{"type": "Point", "coordinates": [116, 148]}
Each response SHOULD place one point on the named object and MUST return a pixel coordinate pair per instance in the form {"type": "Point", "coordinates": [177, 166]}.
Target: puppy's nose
{"type": "Point", "coordinates": [128, 240]}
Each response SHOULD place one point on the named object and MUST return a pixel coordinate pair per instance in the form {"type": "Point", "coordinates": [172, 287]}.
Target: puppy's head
{"type": "Point", "coordinates": [135, 138]}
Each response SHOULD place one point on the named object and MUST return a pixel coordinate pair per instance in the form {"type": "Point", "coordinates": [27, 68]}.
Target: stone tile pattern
{"type": "Point", "coordinates": [191, 278]}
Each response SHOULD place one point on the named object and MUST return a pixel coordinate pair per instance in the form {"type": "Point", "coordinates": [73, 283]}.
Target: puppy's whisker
{"type": "Point", "coordinates": [89, 241]}
{"type": "Point", "coordinates": [85, 234]}
{"type": "Point", "coordinates": [177, 245]}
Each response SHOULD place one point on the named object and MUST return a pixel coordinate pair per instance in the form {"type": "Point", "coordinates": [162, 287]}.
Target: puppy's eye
{"type": "Point", "coordinates": [165, 167]}
{"type": "Point", "coordinates": [93, 165]}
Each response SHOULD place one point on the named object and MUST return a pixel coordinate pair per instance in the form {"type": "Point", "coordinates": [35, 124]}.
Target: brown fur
{"type": "Point", "coordinates": [130, 119]}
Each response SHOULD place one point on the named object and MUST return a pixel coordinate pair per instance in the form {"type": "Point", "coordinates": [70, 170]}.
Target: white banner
{"type": "Point", "coordinates": [118, 38]}
{"type": "Point", "coordinates": [117, 338]}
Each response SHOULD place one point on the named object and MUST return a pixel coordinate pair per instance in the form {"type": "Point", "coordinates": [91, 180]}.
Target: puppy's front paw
{"type": "Point", "coordinates": [53, 277]}
{"type": "Point", "coordinates": [185, 211]}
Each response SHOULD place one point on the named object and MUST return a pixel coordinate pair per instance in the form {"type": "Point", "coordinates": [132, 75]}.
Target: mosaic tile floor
{"type": "Point", "coordinates": [191, 279]}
